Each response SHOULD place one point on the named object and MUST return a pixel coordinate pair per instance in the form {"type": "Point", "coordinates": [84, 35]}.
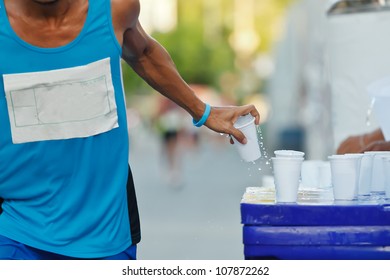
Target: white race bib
{"type": "Point", "coordinates": [61, 104]}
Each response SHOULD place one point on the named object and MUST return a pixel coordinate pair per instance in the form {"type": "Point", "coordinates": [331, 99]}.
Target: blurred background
{"type": "Point", "coordinates": [288, 57]}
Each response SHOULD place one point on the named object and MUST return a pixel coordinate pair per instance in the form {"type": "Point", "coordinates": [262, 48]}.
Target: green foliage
{"type": "Point", "coordinates": [202, 58]}
{"type": "Point", "coordinates": [198, 61]}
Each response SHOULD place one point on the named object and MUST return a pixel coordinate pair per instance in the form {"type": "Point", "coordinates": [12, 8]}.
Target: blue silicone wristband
{"type": "Point", "coordinates": [203, 119]}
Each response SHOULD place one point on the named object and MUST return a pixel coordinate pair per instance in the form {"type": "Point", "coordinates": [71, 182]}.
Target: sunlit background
{"type": "Point", "coordinates": [228, 51]}
{"type": "Point", "coordinates": [264, 52]}
{"type": "Point", "coordinates": [223, 45]}
{"type": "Point", "coordinates": [270, 53]}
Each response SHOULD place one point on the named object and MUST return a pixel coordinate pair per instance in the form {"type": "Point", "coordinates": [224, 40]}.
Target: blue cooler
{"type": "Point", "coordinates": [316, 232]}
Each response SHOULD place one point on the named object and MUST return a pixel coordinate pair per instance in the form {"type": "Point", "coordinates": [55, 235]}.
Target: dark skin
{"type": "Point", "coordinates": [373, 141]}
{"type": "Point", "coordinates": [54, 23]}
{"type": "Point", "coordinates": [47, 24]}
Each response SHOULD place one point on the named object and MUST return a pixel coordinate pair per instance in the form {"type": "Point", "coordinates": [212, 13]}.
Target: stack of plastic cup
{"type": "Point", "coordinates": [386, 170]}
{"type": "Point", "coordinates": [310, 173]}
{"type": "Point", "coordinates": [251, 150]}
{"type": "Point", "coordinates": [325, 175]}
{"type": "Point", "coordinates": [361, 158]}
{"type": "Point", "coordinates": [378, 175]}
{"type": "Point", "coordinates": [287, 171]}
{"type": "Point", "coordinates": [345, 176]}
{"type": "Point", "coordinates": [289, 154]}
{"type": "Point", "coordinates": [364, 189]}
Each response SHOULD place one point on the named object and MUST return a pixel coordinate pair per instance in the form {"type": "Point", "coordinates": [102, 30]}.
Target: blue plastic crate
{"type": "Point", "coordinates": [315, 214]}
{"type": "Point", "coordinates": [294, 231]}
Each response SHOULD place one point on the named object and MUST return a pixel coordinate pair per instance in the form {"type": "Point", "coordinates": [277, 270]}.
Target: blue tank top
{"type": "Point", "coordinates": [64, 183]}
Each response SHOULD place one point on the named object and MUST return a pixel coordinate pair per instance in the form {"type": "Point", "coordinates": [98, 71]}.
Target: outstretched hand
{"type": "Point", "coordinates": [352, 144]}
{"type": "Point", "coordinates": [374, 141]}
{"type": "Point", "coordinates": [378, 146]}
{"type": "Point", "coordinates": [221, 120]}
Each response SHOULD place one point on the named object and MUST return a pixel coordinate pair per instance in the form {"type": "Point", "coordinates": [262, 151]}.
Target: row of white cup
{"type": "Point", "coordinates": [350, 175]}
{"type": "Point", "coordinates": [356, 175]}
{"type": "Point", "coordinates": [316, 174]}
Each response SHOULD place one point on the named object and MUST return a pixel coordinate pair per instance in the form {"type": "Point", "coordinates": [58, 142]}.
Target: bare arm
{"type": "Point", "coordinates": [361, 143]}
{"type": "Point", "coordinates": [153, 63]}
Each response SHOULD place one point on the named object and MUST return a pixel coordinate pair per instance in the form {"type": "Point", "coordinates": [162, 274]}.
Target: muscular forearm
{"type": "Point", "coordinates": [152, 62]}
{"type": "Point", "coordinates": [156, 67]}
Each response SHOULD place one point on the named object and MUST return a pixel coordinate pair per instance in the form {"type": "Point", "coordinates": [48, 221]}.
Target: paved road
{"type": "Point", "coordinates": [201, 220]}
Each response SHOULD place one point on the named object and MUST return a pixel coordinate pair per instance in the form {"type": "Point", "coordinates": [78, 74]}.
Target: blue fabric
{"type": "Point", "coordinates": [65, 196]}
{"type": "Point", "coordinates": [13, 250]}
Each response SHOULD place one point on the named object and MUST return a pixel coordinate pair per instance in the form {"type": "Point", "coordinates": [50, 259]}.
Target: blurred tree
{"type": "Point", "coordinates": [200, 45]}
{"type": "Point", "coordinates": [198, 60]}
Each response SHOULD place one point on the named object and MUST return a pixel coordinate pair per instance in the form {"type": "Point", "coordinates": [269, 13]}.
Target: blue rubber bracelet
{"type": "Point", "coordinates": [204, 117]}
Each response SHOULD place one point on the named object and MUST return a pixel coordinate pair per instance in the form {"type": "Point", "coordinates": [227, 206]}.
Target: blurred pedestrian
{"type": "Point", "coordinates": [169, 123]}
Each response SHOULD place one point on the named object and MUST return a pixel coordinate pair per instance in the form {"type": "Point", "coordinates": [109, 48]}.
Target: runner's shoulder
{"type": "Point", "coordinates": [126, 12]}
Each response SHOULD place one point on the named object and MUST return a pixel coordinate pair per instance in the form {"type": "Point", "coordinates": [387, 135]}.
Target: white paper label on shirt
{"type": "Point", "coordinates": [61, 104]}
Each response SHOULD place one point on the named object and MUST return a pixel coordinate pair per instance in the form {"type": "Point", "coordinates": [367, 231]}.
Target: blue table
{"type": "Point", "coordinates": [314, 231]}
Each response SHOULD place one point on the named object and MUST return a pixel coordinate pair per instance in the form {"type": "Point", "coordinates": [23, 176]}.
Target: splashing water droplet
{"type": "Point", "coordinates": [265, 158]}
{"type": "Point", "coordinates": [369, 112]}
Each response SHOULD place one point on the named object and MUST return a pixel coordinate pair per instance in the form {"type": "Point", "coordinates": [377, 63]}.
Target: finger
{"type": "Point", "coordinates": [251, 109]}
{"type": "Point", "coordinates": [377, 146]}
{"type": "Point", "coordinates": [256, 114]}
{"type": "Point", "coordinates": [231, 140]}
{"type": "Point", "coordinates": [239, 136]}
{"type": "Point", "coordinates": [369, 148]}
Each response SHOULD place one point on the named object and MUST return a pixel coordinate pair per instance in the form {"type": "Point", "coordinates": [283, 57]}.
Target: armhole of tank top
{"type": "Point", "coordinates": [3, 16]}
{"type": "Point", "coordinates": [111, 25]}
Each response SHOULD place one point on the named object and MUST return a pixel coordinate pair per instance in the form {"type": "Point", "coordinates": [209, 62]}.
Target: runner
{"type": "Point", "coordinates": [64, 140]}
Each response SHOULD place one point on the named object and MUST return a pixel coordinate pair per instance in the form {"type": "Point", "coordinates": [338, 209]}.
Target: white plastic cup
{"type": "Point", "coordinates": [378, 176]}
{"type": "Point", "coordinates": [345, 176]}
{"type": "Point", "coordinates": [250, 151]}
{"type": "Point", "coordinates": [286, 175]}
{"type": "Point", "coordinates": [325, 175]}
{"type": "Point", "coordinates": [289, 153]}
{"type": "Point", "coordinates": [359, 164]}
{"type": "Point", "coordinates": [310, 173]}
{"type": "Point", "coordinates": [365, 174]}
